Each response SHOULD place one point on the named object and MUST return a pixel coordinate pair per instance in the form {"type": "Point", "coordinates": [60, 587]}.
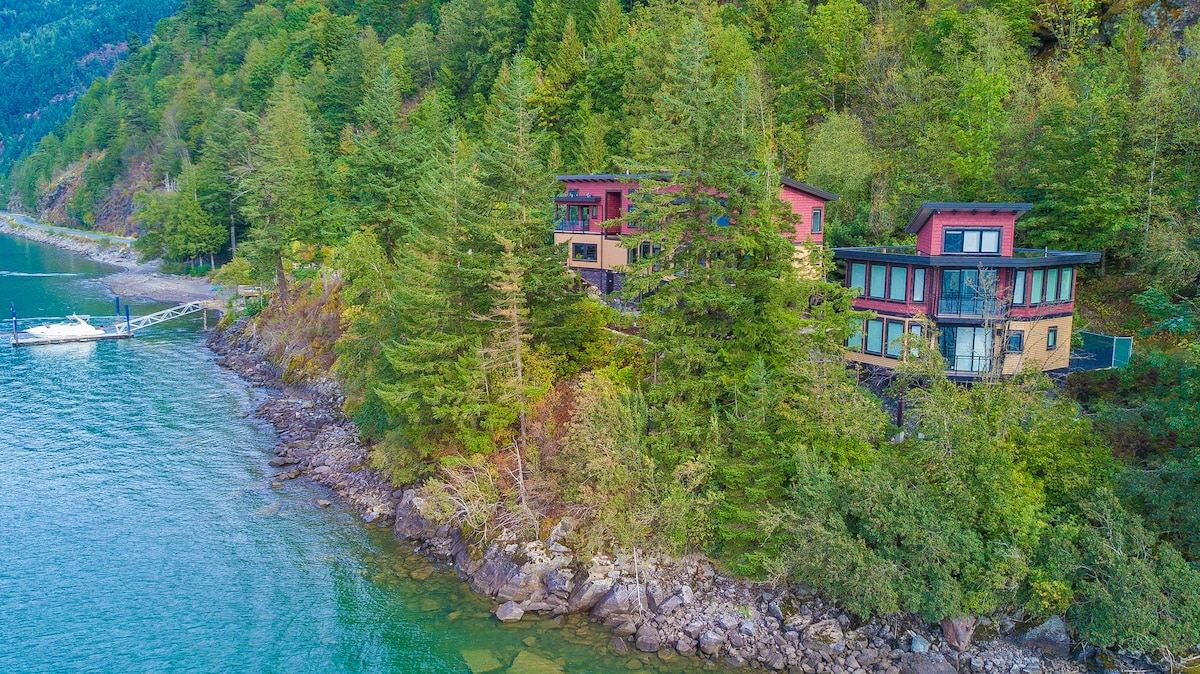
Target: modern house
{"type": "Point", "coordinates": [995, 308]}
{"type": "Point", "coordinates": [588, 218]}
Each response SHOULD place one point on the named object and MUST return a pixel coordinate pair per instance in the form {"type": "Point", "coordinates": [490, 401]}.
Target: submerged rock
{"type": "Point", "coordinates": [528, 663]}
{"type": "Point", "coordinates": [480, 661]}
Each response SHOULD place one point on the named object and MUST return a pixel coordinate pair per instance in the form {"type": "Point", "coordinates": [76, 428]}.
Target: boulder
{"type": "Point", "coordinates": [958, 631]}
{"type": "Point", "coordinates": [669, 604]}
{"type": "Point", "coordinates": [685, 645]}
{"type": "Point", "coordinates": [647, 640]}
{"type": "Point", "coordinates": [775, 661]}
{"type": "Point", "coordinates": [621, 599]}
{"type": "Point", "coordinates": [509, 612]}
{"type": "Point", "coordinates": [617, 645]}
{"type": "Point", "coordinates": [587, 593]}
{"type": "Point", "coordinates": [919, 644]}
{"type": "Point", "coordinates": [1050, 637]}
{"type": "Point", "coordinates": [727, 621]}
{"type": "Point", "coordinates": [825, 636]}
{"type": "Point", "coordinates": [925, 663]}
{"type": "Point", "coordinates": [711, 642]}
{"type": "Point", "coordinates": [625, 629]}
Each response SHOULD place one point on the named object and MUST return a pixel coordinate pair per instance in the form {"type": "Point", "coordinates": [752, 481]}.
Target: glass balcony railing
{"type": "Point", "coordinates": [967, 304]}
{"type": "Point", "coordinates": [565, 225]}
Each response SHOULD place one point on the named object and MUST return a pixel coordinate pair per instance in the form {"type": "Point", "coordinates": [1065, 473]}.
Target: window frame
{"type": "Point", "coordinates": [850, 278]}
{"type": "Point", "coordinates": [1052, 338]}
{"type": "Point", "coordinates": [893, 347]}
{"type": "Point", "coordinates": [918, 289]}
{"type": "Point", "coordinates": [1008, 343]}
{"type": "Point", "coordinates": [976, 233]}
{"type": "Point", "coordinates": [891, 289]}
{"type": "Point", "coordinates": [871, 282]}
{"type": "Point", "coordinates": [867, 337]}
{"type": "Point", "coordinates": [595, 250]}
{"type": "Point", "coordinates": [1066, 284]}
{"type": "Point", "coordinates": [818, 220]}
{"type": "Point", "coordinates": [1021, 281]}
{"type": "Point", "coordinates": [859, 336]}
{"type": "Point", "coordinates": [1050, 294]}
{"type": "Point", "coordinates": [1037, 287]}
{"type": "Point", "coordinates": [917, 330]}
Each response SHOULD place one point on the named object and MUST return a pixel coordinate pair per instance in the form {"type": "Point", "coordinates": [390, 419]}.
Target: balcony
{"type": "Point", "coordinates": [575, 226]}
{"type": "Point", "coordinates": [968, 304]}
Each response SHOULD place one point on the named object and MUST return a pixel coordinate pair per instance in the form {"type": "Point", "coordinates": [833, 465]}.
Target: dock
{"type": "Point", "coordinates": [121, 329]}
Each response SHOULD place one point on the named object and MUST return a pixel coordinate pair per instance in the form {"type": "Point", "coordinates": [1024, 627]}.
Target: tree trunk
{"type": "Point", "coordinates": [281, 281]}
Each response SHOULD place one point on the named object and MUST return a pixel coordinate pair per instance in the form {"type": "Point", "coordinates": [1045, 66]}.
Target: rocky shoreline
{"type": "Point", "coordinates": [656, 607]}
{"type": "Point", "coordinates": [100, 251]}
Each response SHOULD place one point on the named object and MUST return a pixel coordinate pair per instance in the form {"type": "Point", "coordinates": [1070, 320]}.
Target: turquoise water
{"type": "Point", "coordinates": [139, 531]}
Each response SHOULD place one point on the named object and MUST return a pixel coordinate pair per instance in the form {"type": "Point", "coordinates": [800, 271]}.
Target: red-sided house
{"type": "Point", "coordinates": [995, 308]}
{"type": "Point", "coordinates": [585, 213]}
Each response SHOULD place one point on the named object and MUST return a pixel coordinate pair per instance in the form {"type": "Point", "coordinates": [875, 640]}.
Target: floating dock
{"type": "Point", "coordinates": [124, 329]}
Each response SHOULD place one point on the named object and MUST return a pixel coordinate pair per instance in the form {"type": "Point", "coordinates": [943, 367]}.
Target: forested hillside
{"type": "Point", "coordinates": [50, 51]}
{"type": "Point", "coordinates": [388, 168]}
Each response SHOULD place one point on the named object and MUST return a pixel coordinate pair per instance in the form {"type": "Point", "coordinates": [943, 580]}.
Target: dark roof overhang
{"type": "Point", "coordinates": [607, 177]}
{"type": "Point", "coordinates": [809, 189]}
{"type": "Point", "coordinates": [1022, 258]}
{"type": "Point", "coordinates": [577, 199]}
{"type": "Point", "coordinates": [930, 207]}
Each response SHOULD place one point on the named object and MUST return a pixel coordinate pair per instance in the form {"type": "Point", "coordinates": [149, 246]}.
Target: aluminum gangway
{"type": "Point", "coordinates": [160, 316]}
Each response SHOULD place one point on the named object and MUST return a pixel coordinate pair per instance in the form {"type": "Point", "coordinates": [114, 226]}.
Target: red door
{"type": "Point", "coordinates": [612, 210]}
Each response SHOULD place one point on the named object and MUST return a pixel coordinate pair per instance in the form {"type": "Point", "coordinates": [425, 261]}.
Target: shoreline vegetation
{"type": "Point", "coordinates": [657, 605]}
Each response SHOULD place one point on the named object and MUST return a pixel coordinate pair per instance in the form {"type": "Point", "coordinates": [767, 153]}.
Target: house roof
{"type": "Point", "coordinates": [1021, 258]}
{"type": "Point", "coordinates": [794, 184]}
{"type": "Point", "coordinates": [930, 207]}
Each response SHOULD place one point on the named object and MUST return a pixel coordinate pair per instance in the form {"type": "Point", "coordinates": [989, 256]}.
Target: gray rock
{"type": "Point", "coordinates": [619, 599]}
{"type": "Point", "coordinates": [587, 593]}
{"type": "Point", "coordinates": [625, 629]}
{"type": "Point", "coordinates": [617, 645]}
{"type": "Point", "coordinates": [321, 470]}
{"type": "Point", "coordinates": [686, 594]}
{"type": "Point", "coordinates": [919, 644]}
{"type": "Point", "coordinates": [774, 612]}
{"type": "Point", "coordinates": [693, 629]}
{"type": "Point", "coordinates": [711, 642]}
{"type": "Point", "coordinates": [509, 612]}
{"type": "Point", "coordinates": [669, 604]}
{"type": "Point", "coordinates": [735, 661]}
{"type": "Point", "coordinates": [747, 628]}
{"type": "Point", "coordinates": [727, 622]}
{"type": "Point", "coordinates": [1050, 637]}
{"type": "Point", "coordinates": [685, 646]}
{"type": "Point", "coordinates": [825, 636]}
{"type": "Point", "coordinates": [925, 663]}
{"type": "Point", "coordinates": [647, 640]}
{"type": "Point", "coordinates": [323, 503]}
{"type": "Point", "coordinates": [775, 661]}
{"type": "Point", "coordinates": [736, 639]}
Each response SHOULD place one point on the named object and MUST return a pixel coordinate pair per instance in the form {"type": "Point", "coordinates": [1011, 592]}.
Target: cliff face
{"type": "Point", "coordinates": [114, 210]}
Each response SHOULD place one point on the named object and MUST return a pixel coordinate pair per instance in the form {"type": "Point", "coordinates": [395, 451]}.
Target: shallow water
{"type": "Point", "coordinates": [139, 531]}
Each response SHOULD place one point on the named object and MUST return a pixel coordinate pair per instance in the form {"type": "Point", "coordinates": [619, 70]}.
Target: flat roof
{"type": "Point", "coordinates": [930, 207]}
{"type": "Point", "coordinates": [794, 184]}
{"type": "Point", "coordinates": [1022, 257]}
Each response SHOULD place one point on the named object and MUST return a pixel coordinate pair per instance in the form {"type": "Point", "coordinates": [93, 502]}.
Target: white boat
{"type": "Point", "coordinates": [75, 328]}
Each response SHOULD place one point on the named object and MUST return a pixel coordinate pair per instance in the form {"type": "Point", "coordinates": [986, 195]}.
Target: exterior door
{"type": "Point", "coordinates": [612, 205]}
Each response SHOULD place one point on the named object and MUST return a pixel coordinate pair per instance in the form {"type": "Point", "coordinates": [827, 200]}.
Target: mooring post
{"type": "Point", "coordinates": [127, 328]}
{"type": "Point", "coordinates": [13, 308]}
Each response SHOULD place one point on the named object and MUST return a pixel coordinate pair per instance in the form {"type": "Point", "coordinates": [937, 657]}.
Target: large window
{"type": "Point", "coordinates": [1048, 286]}
{"type": "Point", "coordinates": [969, 292]}
{"type": "Point", "coordinates": [856, 340]}
{"type": "Point", "coordinates": [875, 336]}
{"type": "Point", "coordinates": [583, 252]}
{"type": "Point", "coordinates": [899, 284]}
{"type": "Point", "coordinates": [916, 330]}
{"type": "Point", "coordinates": [918, 294]}
{"type": "Point", "coordinates": [818, 220]}
{"type": "Point", "coordinates": [980, 241]}
{"type": "Point", "coordinates": [895, 334]}
{"type": "Point", "coordinates": [1019, 287]}
{"type": "Point", "coordinates": [878, 281]}
{"type": "Point", "coordinates": [858, 276]}
{"type": "Point", "coordinates": [1052, 338]}
{"type": "Point", "coordinates": [1064, 286]}
{"type": "Point", "coordinates": [967, 349]}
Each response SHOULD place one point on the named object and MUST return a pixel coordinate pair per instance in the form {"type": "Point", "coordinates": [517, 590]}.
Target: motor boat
{"type": "Point", "coordinates": [75, 327]}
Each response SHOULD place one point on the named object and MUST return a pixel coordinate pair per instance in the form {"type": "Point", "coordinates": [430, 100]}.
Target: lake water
{"type": "Point", "coordinates": [139, 531]}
